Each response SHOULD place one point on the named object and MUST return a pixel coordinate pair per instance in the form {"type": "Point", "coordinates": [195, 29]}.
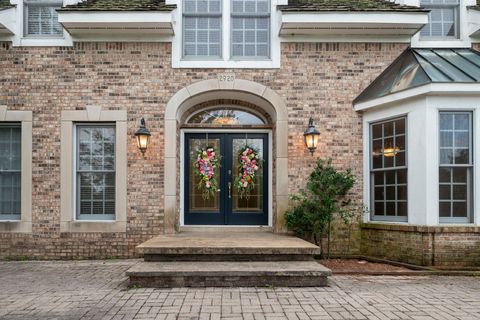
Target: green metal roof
{"type": "Point", "coordinates": [119, 5]}
{"type": "Point", "coordinates": [5, 4]}
{"type": "Point", "coordinates": [417, 67]}
{"type": "Point", "coordinates": [347, 5]}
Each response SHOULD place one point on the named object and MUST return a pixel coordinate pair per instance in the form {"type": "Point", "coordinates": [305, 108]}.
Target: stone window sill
{"type": "Point", "coordinates": [16, 226]}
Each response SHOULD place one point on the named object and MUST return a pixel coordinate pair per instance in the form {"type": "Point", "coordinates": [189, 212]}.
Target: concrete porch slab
{"type": "Point", "coordinates": [227, 243]}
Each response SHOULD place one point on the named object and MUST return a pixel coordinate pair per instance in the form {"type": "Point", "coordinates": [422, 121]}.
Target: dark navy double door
{"type": "Point", "coordinates": [227, 205]}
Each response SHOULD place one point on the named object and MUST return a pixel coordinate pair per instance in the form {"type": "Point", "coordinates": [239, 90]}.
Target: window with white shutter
{"type": "Point", "coordinates": [41, 19]}
{"type": "Point", "coordinates": [442, 19]}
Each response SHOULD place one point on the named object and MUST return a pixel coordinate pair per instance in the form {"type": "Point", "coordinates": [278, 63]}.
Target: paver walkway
{"type": "Point", "coordinates": [98, 290]}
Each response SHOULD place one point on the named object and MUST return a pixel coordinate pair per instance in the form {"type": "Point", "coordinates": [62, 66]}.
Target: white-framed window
{"type": "Point", "coordinates": [250, 26]}
{"type": "Point", "coordinates": [95, 171]}
{"type": "Point", "coordinates": [443, 19]}
{"type": "Point", "coordinates": [388, 170]}
{"type": "Point", "coordinates": [41, 18]}
{"type": "Point", "coordinates": [10, 171]}
{"type": "Point", "coordinates": [226, 34]}
{"type": "Point", "coordinates": [455, 167]}
{"type": "Point", "coordinates": [202, 28]}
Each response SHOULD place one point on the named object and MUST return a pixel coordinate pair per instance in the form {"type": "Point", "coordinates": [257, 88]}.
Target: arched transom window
{"type": "Point", "coordinates": [225, 115]}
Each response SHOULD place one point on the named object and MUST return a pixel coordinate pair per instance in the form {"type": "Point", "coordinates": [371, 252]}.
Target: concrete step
{"type": "Point", "coordinates": [228, 274]}
{"type": "Point", "coordinates": [227, 246]}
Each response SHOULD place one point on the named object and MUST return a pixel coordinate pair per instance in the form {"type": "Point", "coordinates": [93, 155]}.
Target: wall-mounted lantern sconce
{"type": "Point", "coordinates": [311, 136]}
{"type": "Point", "coordinates": [143, 136]}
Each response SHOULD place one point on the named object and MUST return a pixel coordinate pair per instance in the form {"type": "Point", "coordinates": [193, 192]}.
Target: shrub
{"type": "Point", "coordinates": [313, 210]}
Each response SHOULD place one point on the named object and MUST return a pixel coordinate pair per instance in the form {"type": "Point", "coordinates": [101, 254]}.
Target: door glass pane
{"type": "Point", "coordinates": [198, 202]}
{"type": "Point", "coordinates": [253, 201]}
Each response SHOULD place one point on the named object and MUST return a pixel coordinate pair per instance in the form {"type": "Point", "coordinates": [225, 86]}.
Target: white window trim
{"type": "Point", "coordinates": [463, 41]}
{"type": "Point", "coordinates": [68, 222]}
{"type": "Point", "coordinates": [24, 225]}
{"type": "Point", "coordinates": [226, 61]}
{"type": "Point", "coordinates": [19, 38]}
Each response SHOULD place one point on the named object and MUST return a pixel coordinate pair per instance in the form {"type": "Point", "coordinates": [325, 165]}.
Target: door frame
{"type": "Point", "coordinates": [182, 173]}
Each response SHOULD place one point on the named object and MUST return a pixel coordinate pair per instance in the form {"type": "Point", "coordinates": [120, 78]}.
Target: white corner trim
{"type": "Point", "coordinates": [430, 89]}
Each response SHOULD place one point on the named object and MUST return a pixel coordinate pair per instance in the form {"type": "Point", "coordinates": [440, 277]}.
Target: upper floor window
{"type": "Point", "coordinates": [41, 18]}
{"type": "Point", "coordinates": [202, 28]}
{"type": "Point", "coordinates": [248, 22]}
{"type": "Point", "coordinates": [443, 19]}
{"type": "Point", "coordinates": [250, 28]}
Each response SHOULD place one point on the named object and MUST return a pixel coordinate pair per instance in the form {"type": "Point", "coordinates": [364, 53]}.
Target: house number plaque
{"type": "Point", "coordinates": [226, 77]}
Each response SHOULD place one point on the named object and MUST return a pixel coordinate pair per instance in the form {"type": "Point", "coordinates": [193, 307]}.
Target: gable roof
{"type": "Point", "coordinates": [417, 67]}
{"type": "Point", "coordinates": [5, 4]}
{"type": "Point", "coordinates": [346, 5]}
{"type": "Point", "coordinates": [119, 5]}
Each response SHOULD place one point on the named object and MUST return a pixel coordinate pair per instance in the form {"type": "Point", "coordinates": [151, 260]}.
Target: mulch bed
{"type": "Point", "coordinates": [360, 266]}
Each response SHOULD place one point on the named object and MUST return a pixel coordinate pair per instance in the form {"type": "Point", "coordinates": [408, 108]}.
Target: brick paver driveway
{"type": "Point", "coordinates": [98, 290]}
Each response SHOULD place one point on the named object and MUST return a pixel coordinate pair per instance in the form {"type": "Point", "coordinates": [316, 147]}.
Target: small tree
{"type": "Point", "coordinates": [325, 195]}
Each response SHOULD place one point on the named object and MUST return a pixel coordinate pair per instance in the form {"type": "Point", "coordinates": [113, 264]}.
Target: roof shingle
{"type": "Point", "coordinates": [119, 5]}
{"type": "Point", "coordinates": [346, 5]}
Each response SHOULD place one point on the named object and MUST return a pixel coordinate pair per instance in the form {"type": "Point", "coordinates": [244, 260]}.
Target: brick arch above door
{"type": "Point", "coordinates": [239, 89]}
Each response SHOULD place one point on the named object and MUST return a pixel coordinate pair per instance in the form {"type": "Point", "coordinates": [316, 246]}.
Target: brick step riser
{"type": "Point", "coordinates": [229, 281]}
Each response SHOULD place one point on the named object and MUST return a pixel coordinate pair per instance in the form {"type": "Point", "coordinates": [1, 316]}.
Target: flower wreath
{"type": "Point", "coordinates": [249, 163]}
{"type": "Point", "coordinates": [208, 160]}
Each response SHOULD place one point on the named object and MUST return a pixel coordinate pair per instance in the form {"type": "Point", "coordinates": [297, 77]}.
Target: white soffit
{"type": "Point", "coordinates": [353, 23]}
{"type": "Point", "coordinates": [474, 23]}
{"type": "Point", "coordinates": [116, 23]}
{"type": "Point", "coordinates": [432, 89]}
{"type": "Point", "coordinates": [7, 21]}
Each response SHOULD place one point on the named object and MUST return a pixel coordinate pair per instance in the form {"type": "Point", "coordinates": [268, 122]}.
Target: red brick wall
{"type": "Point", "coordinates": [316, 80]}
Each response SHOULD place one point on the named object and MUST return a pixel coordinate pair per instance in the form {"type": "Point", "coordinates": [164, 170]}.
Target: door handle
{"type": "Point", "coordinates": [229, 190]}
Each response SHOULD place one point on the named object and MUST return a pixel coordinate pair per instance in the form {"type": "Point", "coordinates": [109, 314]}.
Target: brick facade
{"type": "Point", "coordinates": [318, 79]}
